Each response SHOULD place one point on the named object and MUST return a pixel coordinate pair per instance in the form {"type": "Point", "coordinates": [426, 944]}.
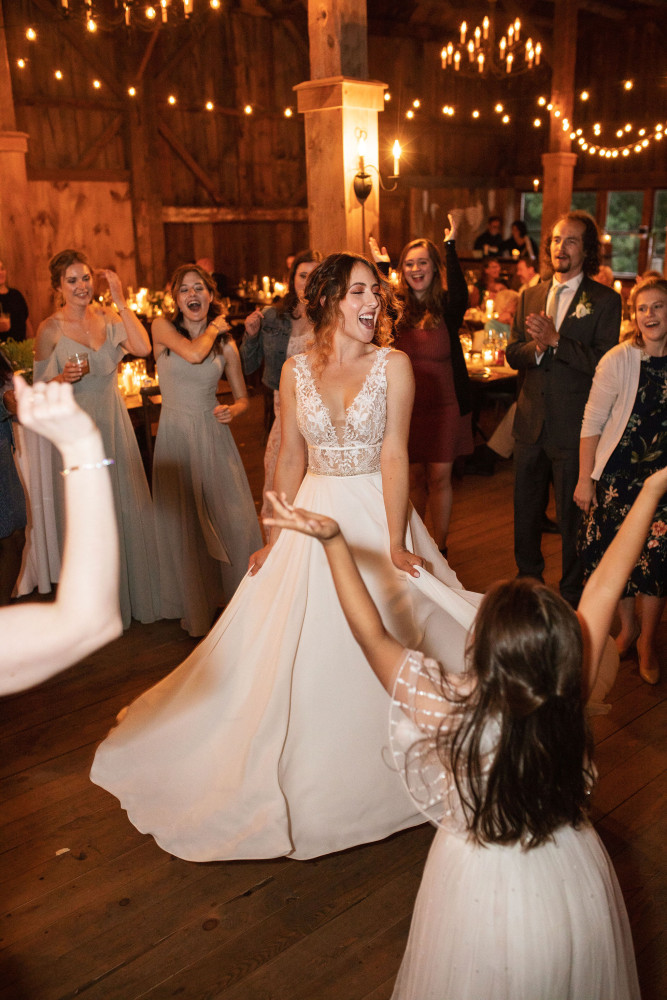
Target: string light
{"type": "Point", "coordinates": [537, 122]}
{"type": "Point", "coordinates": [20, 63]}
{"type": "Point", "coordinates": [416, 103]}
{"type": "Point", "coordinates": [171, 99]}
{"type": "Point", "coordinates": [58, 74]}
{"type": "Point", "coordinates": [387, 96]}
{"type": "Point", "coordinates": [288, 112]}
{"type": "Point", "coordinates": [628, 84]}
{"type": "Point", "coordinates": [132, 91]}
{"type": "Point", "coordinates": [409, 114]}
{"type": "Point", "coordinates": [499, 109]}
{"type": "Point", "coordinates": [584, 95]}
{"type": "Point", "coordinates": [209, 105]}
{"type": "Point", "coordinates": [215, 4]}
{"type": "Point", "coordinates": [506, 119]}
{"type": "Point", "coordinates": [475, 113]}
{"type": "Point", "coordinates": [31, 35]}
{"type": "Point", "coordinates": [97, 84]}
{"type": "Point", "coordinates": [247, 109]}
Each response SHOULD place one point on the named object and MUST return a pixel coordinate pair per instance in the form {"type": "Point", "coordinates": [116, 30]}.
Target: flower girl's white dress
{"type": "Point", "coordinates": [271, 738]}
{"type": "Point", "coordinates": [498, 922]}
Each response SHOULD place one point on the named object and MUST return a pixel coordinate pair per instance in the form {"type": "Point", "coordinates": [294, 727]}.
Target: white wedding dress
{"type": "Point", "coordinates": [271, 738]}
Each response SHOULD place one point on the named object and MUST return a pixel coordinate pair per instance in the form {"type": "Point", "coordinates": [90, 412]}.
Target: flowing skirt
{"type": "Point", "coordinates": [270, 739]}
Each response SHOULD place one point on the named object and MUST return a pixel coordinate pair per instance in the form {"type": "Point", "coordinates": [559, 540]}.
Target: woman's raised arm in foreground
{"type": "Point", "coordinates": [606, 584]}
{"type": "Point", "coordinates": [38, 640]}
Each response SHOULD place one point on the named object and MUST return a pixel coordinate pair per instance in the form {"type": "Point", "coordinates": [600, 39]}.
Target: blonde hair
{"type": "Point", "coordinates": [660, 284]}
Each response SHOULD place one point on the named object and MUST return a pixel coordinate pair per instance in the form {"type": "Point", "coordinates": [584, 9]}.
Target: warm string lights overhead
{"type": "Point", "coordinates": [635, 140]}
{"type": "Point", "coordinates": [479, 51]}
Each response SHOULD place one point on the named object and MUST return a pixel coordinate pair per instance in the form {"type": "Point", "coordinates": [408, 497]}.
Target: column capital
{"type": "Point", "coordinates": [340, 92]}
{"type": "Point", "coordinates": [13, 142]}
{"type": "Point", "coordinates": [559, 159]}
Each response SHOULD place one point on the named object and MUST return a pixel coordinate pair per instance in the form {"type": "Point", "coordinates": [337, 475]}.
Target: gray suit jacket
{"type": "Point", "coordinates": [555, 391]}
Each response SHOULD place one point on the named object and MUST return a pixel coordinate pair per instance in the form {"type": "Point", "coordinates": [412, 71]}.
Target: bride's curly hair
{"type": "Point", "coordinates": [327, 286]}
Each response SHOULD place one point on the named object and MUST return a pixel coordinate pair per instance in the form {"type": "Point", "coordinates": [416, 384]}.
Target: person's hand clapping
{"type": "Point", "coordinates": [286, 515]}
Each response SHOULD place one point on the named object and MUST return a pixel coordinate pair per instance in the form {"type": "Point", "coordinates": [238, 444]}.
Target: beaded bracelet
{"type": "Point", "coordinates": [87, 467]}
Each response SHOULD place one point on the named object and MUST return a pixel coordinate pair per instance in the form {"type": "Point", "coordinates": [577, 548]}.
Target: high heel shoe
{"type": "Point", "coordinates": [649, 670]}
{"type": "Point", "coordinates": [626, 651]}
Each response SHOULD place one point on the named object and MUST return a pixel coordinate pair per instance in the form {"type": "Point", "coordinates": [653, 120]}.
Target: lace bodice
{"type": "Point", "coordinates": [353, 449]}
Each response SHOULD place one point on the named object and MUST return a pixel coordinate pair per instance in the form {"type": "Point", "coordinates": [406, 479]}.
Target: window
{"type": "Point", "coordinates": [584, 201]}
{"type": "Point", "coordinates": [624, 216]}
{"type": "Point", "coordinates": [656, 245]}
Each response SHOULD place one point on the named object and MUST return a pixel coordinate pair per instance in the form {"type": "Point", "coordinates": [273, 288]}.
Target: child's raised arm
{"type": "Point", "coordinates": [383, 652]}
{"type": "Point", "coordinates": [606, 584]}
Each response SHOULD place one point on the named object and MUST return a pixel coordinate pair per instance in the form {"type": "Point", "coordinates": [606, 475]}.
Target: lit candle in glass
{"type": "Point", "coordinates": [618, 287]}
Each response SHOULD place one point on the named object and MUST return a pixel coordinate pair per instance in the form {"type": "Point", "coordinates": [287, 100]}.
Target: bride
{"type": "Point", "coordinates": [269, 738]}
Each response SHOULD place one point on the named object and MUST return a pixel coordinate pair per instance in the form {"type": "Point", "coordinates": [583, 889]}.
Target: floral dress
{"type": "Point", "coordinates": [641, 451]}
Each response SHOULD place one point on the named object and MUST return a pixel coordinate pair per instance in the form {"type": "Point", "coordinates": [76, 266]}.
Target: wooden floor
{"type": "Point", "coordinates": [93, 909]}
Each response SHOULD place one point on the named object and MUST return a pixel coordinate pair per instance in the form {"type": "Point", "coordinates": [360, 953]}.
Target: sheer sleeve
{"type": "Point", "coordinates": [421, 711]}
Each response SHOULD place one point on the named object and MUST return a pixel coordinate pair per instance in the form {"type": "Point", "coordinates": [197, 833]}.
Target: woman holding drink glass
{"type": "Point", "coordinates": [82, 343]}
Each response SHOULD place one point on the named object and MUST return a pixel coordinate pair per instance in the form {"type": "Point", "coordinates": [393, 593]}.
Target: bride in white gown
{"type": "Point", "coordinates": [267, 740]}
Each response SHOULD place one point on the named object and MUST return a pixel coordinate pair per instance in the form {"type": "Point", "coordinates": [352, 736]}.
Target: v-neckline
{"type": "Point", "coordinates": [95, 350]}
{"type": "Point", "coordinates": [348, 409]}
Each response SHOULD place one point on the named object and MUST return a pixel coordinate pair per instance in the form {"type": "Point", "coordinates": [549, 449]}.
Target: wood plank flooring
{"type": "Point", "coordinates": [91, 908]}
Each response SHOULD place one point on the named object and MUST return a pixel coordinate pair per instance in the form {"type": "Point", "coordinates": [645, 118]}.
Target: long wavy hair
{"type": "Point", "coordinates": [591, 242]}
{"type": "Point", "coordinates": [645, 285]}
{"type": "Point", "coordinates": [327, 286]}
{"type": "Point", "coordinates": [525, 654]}
{"type": "Point", "coordinates": [290, 301]}
{"type": "Point", "coordinates": [426, 312]}
{"type": "Point", "coordinates": [215, 309]}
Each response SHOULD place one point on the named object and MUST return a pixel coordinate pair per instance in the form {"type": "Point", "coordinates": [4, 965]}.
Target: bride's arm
{"type": "Point", "coordinates": [394, 458]}
{"type": "Point", "coordinates": [291, 465]}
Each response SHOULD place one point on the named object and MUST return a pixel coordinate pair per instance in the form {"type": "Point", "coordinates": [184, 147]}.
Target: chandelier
{"type": "Point", "coordinates": [133, 13]}
{"type": "Point", "coordinates": [480, 52]}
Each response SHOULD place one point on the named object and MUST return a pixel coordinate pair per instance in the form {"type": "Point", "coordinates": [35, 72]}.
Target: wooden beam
{"type": "Point", "coordinates": [147, 55]}
{"type": "Point", "coordinates": [74, 36]}
{"type": "Point", "coordinates": [78, 103]}
{"type": "Point", "coordinates": [63, 175]}
{"type": "Point", "coordinates": [103, 140]}
{"type": "Point", "coordinates": [189, 161]}
{"type": "Point", "coordinates": [204, 214]}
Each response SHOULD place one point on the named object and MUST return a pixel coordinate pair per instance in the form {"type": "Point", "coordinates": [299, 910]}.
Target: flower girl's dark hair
{"type": "Point", "coordinates": [525, 654]}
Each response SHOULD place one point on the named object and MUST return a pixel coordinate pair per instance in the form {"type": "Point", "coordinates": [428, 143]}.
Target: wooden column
{"type": "Point", "coordinates": [16, 236]}
{"type": "Point", "coordinates": [339, 103]}
{"type": "Point", "coordinates": [146, 200]}
{"type": "Point", "coordinates": [559, 162]}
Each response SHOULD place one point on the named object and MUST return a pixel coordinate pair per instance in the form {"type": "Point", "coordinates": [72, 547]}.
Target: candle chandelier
{"type": "Point", "coordinates": [134, 13]}
{"type": "Point", "coordinates": [486, 51]}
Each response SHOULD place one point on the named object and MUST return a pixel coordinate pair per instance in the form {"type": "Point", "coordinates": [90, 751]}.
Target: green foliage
{"type": "Point", "coordinates": [21, 354]}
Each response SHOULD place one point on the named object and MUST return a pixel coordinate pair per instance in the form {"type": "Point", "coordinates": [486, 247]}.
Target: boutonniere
{"type": "Point", "coordinates": [584, 307]}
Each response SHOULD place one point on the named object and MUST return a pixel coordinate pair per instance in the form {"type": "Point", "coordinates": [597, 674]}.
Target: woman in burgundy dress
{"type": "Point", "coordinates": [428, 332]}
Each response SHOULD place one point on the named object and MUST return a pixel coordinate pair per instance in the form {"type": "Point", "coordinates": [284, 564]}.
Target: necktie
{"type": "Point", "coordinates": [552, 310]}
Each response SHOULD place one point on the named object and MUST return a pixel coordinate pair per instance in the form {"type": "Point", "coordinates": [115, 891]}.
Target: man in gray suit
{"type": "Point", "coordinates": [562, 328]}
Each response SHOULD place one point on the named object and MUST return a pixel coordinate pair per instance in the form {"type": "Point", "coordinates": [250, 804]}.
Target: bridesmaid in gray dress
{"type": "Point", "coordinates": [204, 513]}
{"type": "Point", "coordinates": [104, 335]}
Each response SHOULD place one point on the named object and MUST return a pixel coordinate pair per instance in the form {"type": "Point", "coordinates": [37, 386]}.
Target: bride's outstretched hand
{"type": "Point", "coordinates": [288, 516]}
{"type": "Point", "coordinates": [406, 561]}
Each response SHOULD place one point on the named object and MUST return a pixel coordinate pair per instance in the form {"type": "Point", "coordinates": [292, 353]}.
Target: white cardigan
{"type": "Point", "coordinates": [611, 400]}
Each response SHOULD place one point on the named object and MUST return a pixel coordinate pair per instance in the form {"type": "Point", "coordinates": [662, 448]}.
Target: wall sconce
{"type": "Point", "coordinates": [363, 182]}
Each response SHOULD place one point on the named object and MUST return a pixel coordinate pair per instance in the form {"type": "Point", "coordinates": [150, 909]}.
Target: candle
{"type": "Point", "coordinates": [618, 287]}
{"type": "Point", "coordinates": [480, 62]}
{"type": "Point", "coordinates": [517, 28]}
{"type": "Point", "coordinates": [265, 284]}
{"type": "Point", "coordinates": [397, 157]}
{"type": "Point", "coordinates": [538, 51]}
{"type": "Point", "coordinates": [503, 45]}
{"type": "Point", "coordinates": [478, 36]}
{"type": "Point", "coordinates": [471, 50]}
{"type": "Point", "coordinates": [457, 60]}
{"type": "Point", "coordinates": [510, 59]}
{"type": "Point", "coordinates": [464, 28]}
{"type": "Point", "coordinates": [489, 308]}
{"type": "Point", "coordinates": [443, 57]}
{"type": "Point", "coordinates": [485, 26]}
